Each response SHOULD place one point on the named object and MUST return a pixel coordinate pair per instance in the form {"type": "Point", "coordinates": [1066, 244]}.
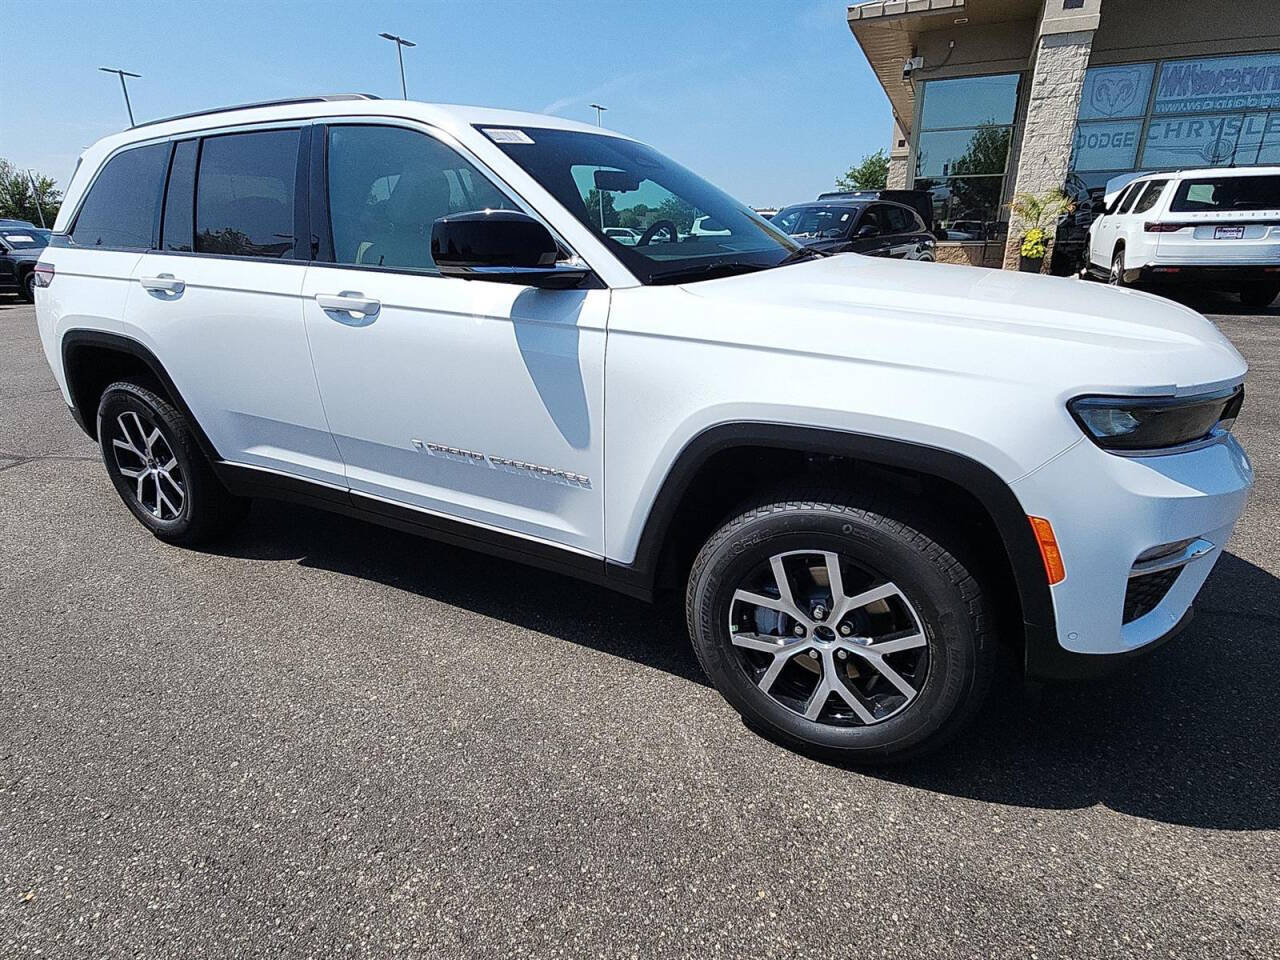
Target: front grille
{"type": "Point", "coordinates": [1146, 592]}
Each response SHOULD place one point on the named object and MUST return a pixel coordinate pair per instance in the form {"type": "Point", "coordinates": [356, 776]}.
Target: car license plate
{"type": "Point", "coordinates": [1228, 233]}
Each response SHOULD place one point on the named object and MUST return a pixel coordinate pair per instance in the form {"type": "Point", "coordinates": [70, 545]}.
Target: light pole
{"type": "Point", "coordinates": [400, 43]}
{"type": "Point", "coordinates": [122, 74]}
{"type": "Point", "coordinates": [35, 195]}
{"type": "Point", "coordinates": [599, 113]}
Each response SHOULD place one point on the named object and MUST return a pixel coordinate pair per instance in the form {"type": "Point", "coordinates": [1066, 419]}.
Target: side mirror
{"type": "Point", "coordinates": [500, 245]}
{"type": "Point", "coordinates": [867, 230]}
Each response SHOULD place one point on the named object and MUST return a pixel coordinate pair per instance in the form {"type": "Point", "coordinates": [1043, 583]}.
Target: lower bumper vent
{"type": "Point", "coordinates": [1146, 592]}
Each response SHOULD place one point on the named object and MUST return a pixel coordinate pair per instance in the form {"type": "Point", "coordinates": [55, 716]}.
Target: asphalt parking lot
{"type": "Point", "coordinates": [325, 739]}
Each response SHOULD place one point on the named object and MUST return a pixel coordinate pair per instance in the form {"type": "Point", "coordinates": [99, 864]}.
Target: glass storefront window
{"type": "Point", "coordinates": [1108, 145]}
{"type": "Point", "coordinates": [1111, 92]}
{"type": "Point", "coordinates": [969, 101]}
{"type": "Point", "coordinates": [962, 151]}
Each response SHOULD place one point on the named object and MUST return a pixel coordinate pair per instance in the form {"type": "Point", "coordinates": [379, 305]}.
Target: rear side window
{"type": "Point", "coordinates": [119, 211]}
{"type": "Point", "coordinates": [899, 220]}
{"type": "Point", "coordinates": [244, 194]}
{"type": "Point", "coordinates": [1120, 200]}
{"type": "Point", "coordinates": [1150, 196]}
{"type": "Point", "coordinates": [1128, 200]}
{"type": "Point", "coordinates": [178, 229]}
{"type": "Point", "coordinates": [1213, 194]}
{"type": "Point", "coordinates": [388, 186]}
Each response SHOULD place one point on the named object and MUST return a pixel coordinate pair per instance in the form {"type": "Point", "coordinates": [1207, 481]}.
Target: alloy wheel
{"type": "Point", "coordinates": [144, 455]}
{"type": "Point", "coordinates": [829, 639]}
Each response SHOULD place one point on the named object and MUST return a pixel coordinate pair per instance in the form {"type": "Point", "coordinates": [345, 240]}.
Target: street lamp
{"type": "Point", "coordinates": [599, 111]}
{"type": "Point", "coordinates": [122, 74]}
{"type": "Point", "coordinates": [400, 43]}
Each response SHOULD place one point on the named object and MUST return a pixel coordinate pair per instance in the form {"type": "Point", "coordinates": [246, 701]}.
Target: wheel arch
{"type": "Point", "coordinates": [995, 498]}
{"type": "Point", "coordinates": [93, 359]}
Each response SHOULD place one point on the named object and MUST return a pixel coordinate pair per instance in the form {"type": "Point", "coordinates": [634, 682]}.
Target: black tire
{"type": "Point", "coordinates": [27, 287]}
{"type": "Point", "coordinates": [1259, 294]}
{"type": "Point", "coordinates": [1116, 277]}
{"type": "Point", "coordinates": [191, 506]}
{"type": "Point", "coordinates": [872, 539]}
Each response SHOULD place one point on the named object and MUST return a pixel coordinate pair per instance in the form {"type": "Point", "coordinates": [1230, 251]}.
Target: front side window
{"type": "Point", "coordinates": [687, 228]}
{"type": "Point", "coordinates": [119, 211]}
{"type": "Point", "coordinates": [24, 239]}
{"type": "Point", "coordinates": [1129, 197]}
{"type": "Point", "coordinates": [244, 194]}
{"type": "Point", "coordinates": [388, 186]}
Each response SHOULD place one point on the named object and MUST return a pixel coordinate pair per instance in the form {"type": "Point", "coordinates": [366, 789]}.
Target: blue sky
{"type": "Point", "coordinates": [770, 99]}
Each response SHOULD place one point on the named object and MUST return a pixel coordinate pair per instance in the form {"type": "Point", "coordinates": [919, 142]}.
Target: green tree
{"type": "Point", "coordinates": [679, 212]}
{"type": "Point", "coordinates": [871, 173]}
{"type": "Point", "coordinates": [18, 201]}
{"type": "Point", "coordinates": [593, 208]}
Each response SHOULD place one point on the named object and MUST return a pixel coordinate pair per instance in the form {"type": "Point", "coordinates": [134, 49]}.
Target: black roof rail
{"type": "Point", "coordinates": [261, 103]}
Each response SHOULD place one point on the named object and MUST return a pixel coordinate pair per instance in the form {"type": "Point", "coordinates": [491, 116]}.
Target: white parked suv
{"type": "Point", "coordinates": [1215, 227]}
{"type": "Point", "coordinates": [862, 473]}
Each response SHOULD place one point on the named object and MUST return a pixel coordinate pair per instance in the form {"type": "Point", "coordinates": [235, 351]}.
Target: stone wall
{"type": "Point", "coordinates": [1050, 124]}
{"type": "Point", "coordinates": [897, 173]}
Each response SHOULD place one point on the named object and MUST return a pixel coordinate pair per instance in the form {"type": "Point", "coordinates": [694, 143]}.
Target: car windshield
{"type": "Point", "coordinates": [683, 227]}
{"type": "Point", "coordinates": [811, 221]}
{"type": "Point", "coordinates": [27, 239]}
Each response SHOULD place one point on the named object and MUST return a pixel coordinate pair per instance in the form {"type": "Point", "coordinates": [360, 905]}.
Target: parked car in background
{"type": "Point", "coordinates": [708, 227]}
{"type": "Point", "coordinates": [1214, 227]}
{"type": "Point", "coordinates": [20, 247]}
{"type": "Point", "coordinates": [921, 201]}
{"type": "Point", "coordinates": [624, 235]}
{"type": "Point", "coordinates": [847, 226]}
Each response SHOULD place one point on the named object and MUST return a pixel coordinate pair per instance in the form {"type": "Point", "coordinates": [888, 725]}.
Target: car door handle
{"type": "Point", "coordinates": [165, 283]}
{"type": "Point", "coordinates": [349, 303]}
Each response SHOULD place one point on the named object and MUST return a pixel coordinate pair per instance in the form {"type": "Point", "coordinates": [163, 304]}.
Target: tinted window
{"type": "Point", "coordinates": [970, 101]}
{"type": "Point", "coordinates": [1150, 196]}
{"type": "Point", "coordinates": [874, 217]}
{"type": "Point", "coordinates": [388, 186]}
{"type": "Point", "coordinates": [899, 219]}
{"type": "Point", "coordinates": [25, 239]}
{"type": "Point", "coordinates": [244, 194]}
{"type": "Point", "coordinates": [120, 209]}
{"type": "Point", "coordinates": [180, 199]}
{"type": "Point", "coordinates": [815, 221]}
{"type": "Point", "coordinates": [1129, 197]}
{"type": "Point", "coordinates": [1227, 193]}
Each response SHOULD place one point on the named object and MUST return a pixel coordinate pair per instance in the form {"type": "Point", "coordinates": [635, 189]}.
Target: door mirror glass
{"type": "Point", "coordinates": [868, 230]}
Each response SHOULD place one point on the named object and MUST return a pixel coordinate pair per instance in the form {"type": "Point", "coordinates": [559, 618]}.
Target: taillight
{"type": "Point", "coordinates": [43, 274]}
{"type": "Point", "coordinates": [1152, 227]}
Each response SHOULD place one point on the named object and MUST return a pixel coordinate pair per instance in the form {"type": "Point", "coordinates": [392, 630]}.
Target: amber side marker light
{"type": "Point", "coordinates": [1049, 551]}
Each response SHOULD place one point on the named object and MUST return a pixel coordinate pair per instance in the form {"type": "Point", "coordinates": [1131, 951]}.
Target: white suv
{"type": "Point", "coordinates": [1215, 227]}
{"type": "Point", "coordinates": [860, 472]}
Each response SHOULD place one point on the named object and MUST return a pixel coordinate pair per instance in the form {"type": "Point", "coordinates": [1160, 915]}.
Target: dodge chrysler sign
{"type": "Point", "coordinates": [1222, 83]}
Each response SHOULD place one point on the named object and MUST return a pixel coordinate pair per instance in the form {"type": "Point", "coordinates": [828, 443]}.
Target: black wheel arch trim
{"type": "Point", "coordinates": [994, 495]}
{"type": "Point", "coordinates": [76, 339]}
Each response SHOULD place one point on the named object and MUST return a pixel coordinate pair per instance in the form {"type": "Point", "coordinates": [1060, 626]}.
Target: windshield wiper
{"type": "Point", "coordinates": [804, 253]}
{"type": "Point", "coordinates": [704, 271]}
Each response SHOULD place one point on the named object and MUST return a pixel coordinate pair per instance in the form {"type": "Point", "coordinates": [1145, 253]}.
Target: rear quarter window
{"type": "Point", "coordinates": [119, 211]}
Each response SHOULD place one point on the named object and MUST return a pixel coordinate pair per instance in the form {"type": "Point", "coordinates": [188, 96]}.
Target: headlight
{"type": "Point", "coordinates": [1155, 423]}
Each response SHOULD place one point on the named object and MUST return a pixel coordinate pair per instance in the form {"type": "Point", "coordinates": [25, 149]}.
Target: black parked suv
{"type": "Point", "coordinates": [852, 226]}
{"type": "Point", "coordinates": [921, 201]}
{"type": "Point", "coordinates": [21, 244]}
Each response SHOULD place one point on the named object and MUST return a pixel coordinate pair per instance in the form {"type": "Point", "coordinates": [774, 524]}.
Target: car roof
{"type": "Point", "coordinates": [455, 119]}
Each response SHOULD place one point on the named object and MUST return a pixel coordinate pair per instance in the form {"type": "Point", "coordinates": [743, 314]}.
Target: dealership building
{"type": "Point", "coordinates": [992, 98]}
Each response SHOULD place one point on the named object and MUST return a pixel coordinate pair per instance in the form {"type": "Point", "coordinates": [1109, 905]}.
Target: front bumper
{"type": "Point", "coordinates": [1106, 511]}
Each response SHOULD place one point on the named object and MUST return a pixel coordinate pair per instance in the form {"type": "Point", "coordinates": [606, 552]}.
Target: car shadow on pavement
{"type": "Point", "coordinates": [1187, 736]}
{"type": "Point", "coordinates": [552, 604]}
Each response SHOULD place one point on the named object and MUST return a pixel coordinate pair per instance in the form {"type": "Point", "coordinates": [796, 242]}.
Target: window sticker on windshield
{"type": "Point", "coordinates": [506, 135]}
{"type": "Point", "coordinates": [19, 238]}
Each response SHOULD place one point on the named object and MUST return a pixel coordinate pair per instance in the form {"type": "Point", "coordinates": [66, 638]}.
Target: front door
{"type": "Point", "coordinates": [477, 400]}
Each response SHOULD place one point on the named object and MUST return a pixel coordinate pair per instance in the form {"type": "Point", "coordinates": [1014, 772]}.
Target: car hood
{"type": "Point", "coordinates": [1063, 332]}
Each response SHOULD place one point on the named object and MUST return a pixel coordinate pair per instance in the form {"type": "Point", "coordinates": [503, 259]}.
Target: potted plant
{"type": "Point", "coordinates": [1035, 213]}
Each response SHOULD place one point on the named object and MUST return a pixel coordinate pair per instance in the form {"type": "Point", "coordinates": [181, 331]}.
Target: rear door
{"type": "Point", "coordinates": [220, 301]}
{"type": "Point", "coordinates": [901, 239]}
{"type": "Point", "coordinates": [877, 243]}
{"type": "Point", "coordinates": [473, 399]}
